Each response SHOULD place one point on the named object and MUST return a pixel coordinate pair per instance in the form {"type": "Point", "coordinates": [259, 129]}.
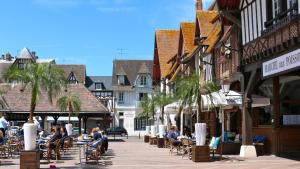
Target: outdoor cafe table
{"type": "Point", "coordinates": [80, 144]}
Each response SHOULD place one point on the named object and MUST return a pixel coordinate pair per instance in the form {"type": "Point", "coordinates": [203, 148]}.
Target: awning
{"type": "Point", "coordinates": [172, 108]}
{"type": "Point", "coordinates": [233, 98]}
{"type": "Point", "coordinates": [49, 118]}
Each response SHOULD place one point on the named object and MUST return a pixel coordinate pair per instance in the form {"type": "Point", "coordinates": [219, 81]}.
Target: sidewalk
{"type": "Point", "coordinates": [133, 153]}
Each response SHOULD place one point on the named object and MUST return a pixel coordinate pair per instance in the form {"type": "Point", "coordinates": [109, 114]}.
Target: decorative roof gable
{"type": "Point", "coordinates": [166, 42]}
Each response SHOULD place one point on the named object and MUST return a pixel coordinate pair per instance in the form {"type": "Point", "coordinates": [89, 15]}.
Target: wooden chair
{"type": "Point", "coordinates": [3, 151]}
{"type": "Point", "coordinates": [167, 142]}
{"type": "Point", "coordinates": [174, 145]}
{"type": "Point", "coordinates": [94, 154]}
{"type": "Point", "coordinates": [47, 152]}
{"type": "Point", "coordinates": [186, 147]}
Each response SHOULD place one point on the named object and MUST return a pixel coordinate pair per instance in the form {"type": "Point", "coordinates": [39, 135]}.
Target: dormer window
{"type": "Point", "coordinates": [72, 78]}
{"type": "Point", "coordinates": [121, 80]}
{"type": "Point", "coordinates": [143, 80]}
{"type": "Point", "coordinates": [99, 86]}
{"type": "Point", "coordinates": [21, 66]}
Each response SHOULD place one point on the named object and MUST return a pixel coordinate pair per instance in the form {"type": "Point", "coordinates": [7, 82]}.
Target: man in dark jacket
{"type": "Point", "coordinates": [55, 137]}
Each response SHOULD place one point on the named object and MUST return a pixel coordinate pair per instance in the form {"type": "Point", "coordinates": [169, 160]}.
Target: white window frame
{"type": "Point", "coordinates": [121, 80]}
{"type": "Point", "coordinates": [143, 80]}
{"type": "Point", "coordinates": [276, 10]}
{"type": "Point", "coordinates": [97, 86]}
{"type": "Point", "coordinates": [121, 97]}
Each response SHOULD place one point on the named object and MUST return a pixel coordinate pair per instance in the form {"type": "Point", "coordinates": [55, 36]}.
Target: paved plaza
{"type": "Point", "coordinates": [132, 153]}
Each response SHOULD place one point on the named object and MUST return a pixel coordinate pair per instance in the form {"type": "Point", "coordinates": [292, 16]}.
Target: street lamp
{"type": "Point", "coordinates": [247, 150]}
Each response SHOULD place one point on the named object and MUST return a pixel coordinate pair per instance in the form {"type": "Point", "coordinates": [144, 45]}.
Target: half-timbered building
{"type": "Point", "coordinates": [270, 62]}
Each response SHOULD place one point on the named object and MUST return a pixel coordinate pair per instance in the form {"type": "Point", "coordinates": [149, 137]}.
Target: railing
{"type": "Point", "coordinates": [280, 20]}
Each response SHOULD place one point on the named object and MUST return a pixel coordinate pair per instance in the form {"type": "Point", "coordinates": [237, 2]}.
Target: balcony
{"type": "Point", "coordinates": [280, 21]}
{"type": "Point", "coordinates": [282, 33]}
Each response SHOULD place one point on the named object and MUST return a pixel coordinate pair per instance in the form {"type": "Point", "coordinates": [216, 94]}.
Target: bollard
{"type": "Point", "coordinates": [139, 135]}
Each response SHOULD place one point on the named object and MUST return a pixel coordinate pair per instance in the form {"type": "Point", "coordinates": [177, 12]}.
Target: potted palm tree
{"type": "Point", "coordinates": [36, 77]}
{"type": "Point", "coordinates": [71, 103]}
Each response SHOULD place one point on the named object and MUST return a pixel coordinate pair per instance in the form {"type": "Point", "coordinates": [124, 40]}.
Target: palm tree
{"type": "Point", "coordinates": [161, 100]}
{"type": "Point", "coordinates": [71, 103]}
{"type": "Point", "coordinates": [147, 105]}
{"type": "Point", "coordinates": [189, 90]}
{"type": "Point", "coordinates": [37, 77]}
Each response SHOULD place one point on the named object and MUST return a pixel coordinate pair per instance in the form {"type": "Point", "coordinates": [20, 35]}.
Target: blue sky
{"type": "Point", "coordinates": [89, 31]}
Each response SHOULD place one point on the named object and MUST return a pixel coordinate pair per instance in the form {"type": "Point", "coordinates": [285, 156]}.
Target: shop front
{"type": "Point", "coordinates": [280, 122]}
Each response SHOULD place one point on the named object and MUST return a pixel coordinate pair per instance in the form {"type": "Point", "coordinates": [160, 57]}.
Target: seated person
{"type": "Point", "coordinates": [102, 141]}
{"type": "Point", "coordinates": [64, 135]}
{"type": "Point", "coordinates": [2, 138]}
{"type": "Point", "coordinates": [95, 133]}
{"type": "Point", "coordinates": [63, 132]}
{"type": "Point", "coordinates": [55, 137]}
{"type": "Point", "coordinates": [173, 134]}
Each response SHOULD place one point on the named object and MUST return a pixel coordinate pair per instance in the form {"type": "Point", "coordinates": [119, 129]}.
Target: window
{"type": "Point", "coordinates": [293, 4]}
{"type": "Point", "coordinates": [72, 78]}
{"type": "Point", "coordinates": [140, 124]}
{"type": "Point", "coordinates": [121, 114]}
{"type": "Point", "coordinates": [99, 86]}
{"type": "Point", "coordinates": [143, 80]}
{"type": "Point", "coordinates": [121, 98]}
{"type": "Point", "coordinates": [121, 80]}
{"type": "Point", "coordinates": [21, 66]}
{"type": "Point", "coordinates": [276, 8]}
{"type": "Point", "coordinates": [142, 95]}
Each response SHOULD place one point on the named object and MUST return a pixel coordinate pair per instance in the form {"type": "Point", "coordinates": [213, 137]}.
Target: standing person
{"type": "Point", "coordinates": [37, 123]}
{"type": "Point", "coordinates": [3, 124]}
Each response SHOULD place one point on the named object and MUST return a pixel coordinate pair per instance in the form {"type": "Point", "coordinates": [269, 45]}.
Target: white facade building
{"type": "Point", "coordinates": [132, 80]}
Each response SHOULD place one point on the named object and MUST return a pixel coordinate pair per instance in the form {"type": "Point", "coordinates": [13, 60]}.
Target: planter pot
{"type": "Point", "coordinates": [69, 129]}
{"type": "Point", "coordinates": [30, 136]}
{"type": "Point", "coordinates": [162, 130]}
{"type": "Point", "coordinates": [200, 133]}
{"type": "Point", "coordinates": [200, 153]}
{"type": "Point", "coordinates": [146, 138]}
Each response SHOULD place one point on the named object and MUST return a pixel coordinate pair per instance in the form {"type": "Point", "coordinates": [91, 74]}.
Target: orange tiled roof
{"type": "Point", "coordinates": [213, 37]}
{"type": "Point", "coordinates": [188, 32]}
{"type": "Point", "coordinates": [178, 70]}
{"type": "Point", "coordinates": [204, 20]}
{"type": "Point", "coordinates": [173, 67]}
{"type": "Point", "coordinates": [167, 47]}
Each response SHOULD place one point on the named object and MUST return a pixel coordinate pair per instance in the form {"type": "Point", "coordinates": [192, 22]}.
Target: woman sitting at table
{"type": "Point", "coordinates": [55, 137]}
{"type": "Point", "coordinates": [95, 133]}
{"type": "Point", "coordinates": [2, 138]}
{"type": "Point", "coordinates": [64, 135]}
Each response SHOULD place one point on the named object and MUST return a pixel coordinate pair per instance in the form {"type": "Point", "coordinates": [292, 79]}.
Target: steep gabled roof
{"type": "Point", "coordinates": [121, 71]}
{"type": "Point", "coordinates": [166, 42]}
{"type": "Point", "coordinates": [187, 30]}
{"type": "Point", "coordinates": [25, 54]}
{"type": "Point", "coordinates": [144, 69]}
{"type": "Point", "coordinates": [105, 80]}
{"type": "Point", "coordinates": [213, 37]}
{"type": "Point", "coordinates": [131, 69]}
{"type": "Point", "coordinates": [78, 70]}
{"type": "Point", "coordinates": [204, 19]}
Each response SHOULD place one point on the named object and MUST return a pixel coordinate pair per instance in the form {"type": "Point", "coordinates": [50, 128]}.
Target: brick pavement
{"type": "Point", "coordinates": [132, 153]}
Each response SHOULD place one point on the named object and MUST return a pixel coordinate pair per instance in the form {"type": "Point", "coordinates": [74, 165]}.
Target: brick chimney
{"type": "Point", "coordinates": [198, 5]}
